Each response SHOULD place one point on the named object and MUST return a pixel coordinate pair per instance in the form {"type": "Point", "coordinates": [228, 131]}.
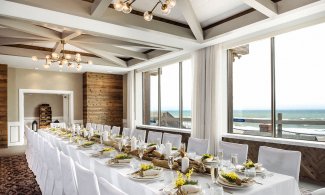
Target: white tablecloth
{"type": "Point", "coordinates": [277, 184]}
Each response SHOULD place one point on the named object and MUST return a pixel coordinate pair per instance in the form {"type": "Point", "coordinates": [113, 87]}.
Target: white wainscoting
{"type": "Point", "coordinates": [15, 134]}
{"type": "Point", "coordinates": [29, 120]}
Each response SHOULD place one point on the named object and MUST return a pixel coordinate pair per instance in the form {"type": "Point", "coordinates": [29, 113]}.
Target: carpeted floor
{"type": "Point", "coordinates": [16, 178]}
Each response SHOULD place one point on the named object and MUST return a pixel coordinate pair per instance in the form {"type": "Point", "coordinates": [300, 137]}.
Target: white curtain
{"type": "Point", "coordinates": [130, 100]}
{"type": "Point", "coordinates": [206, 64]}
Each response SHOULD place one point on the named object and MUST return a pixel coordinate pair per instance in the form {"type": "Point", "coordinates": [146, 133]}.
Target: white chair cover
{"type": "Point", "coordinates": [126, 132]}
{"type": "Point", "coordinates": [280, 161]}
{"type": "Point", "coordinates": [107, 188]}
{"type": "Point", "coordinates": [50, 178]}
{"type": "Point", "coordinates": [100, 127]}
{"type": "Point", "coordinates": [233, 148]}
{"type": "Point", "coordinates": [45, 168]}
{"type": "Point", "coordinates": [64, 149]}
{"type": "Point", "coordinates": [73, 153]}
{"type": "Point", "coordinates": [88, 125]}
{"type": "Point", "coordinates": [198, 146]}
{"type": "Point", "coordinates": [84, 160]}
{"type": "Point", "coordinates": [107, 128]}
{"type": "Point", "coordinates": [116, 130]}
{"type": "Point", "coordinates": [68, 175]}
{"type": "Point", "coordinates": [56, 167]}
{"type": "Point", "coordinates": [174, 139]}
{"type": "Point", "coordinates": [94, 125]}
{"type": "Point", "coordinates": [153, 136]}
{"type": "Point", "coordinates": [86, 181]}
{"type": "Point", "coordinates": [319, 192]}
{"type": "Point", "coordinates": [139, 134]}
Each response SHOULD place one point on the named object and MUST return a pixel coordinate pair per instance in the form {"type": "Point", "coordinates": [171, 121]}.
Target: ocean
{"type": "Point", "coordinates": [302, 115]}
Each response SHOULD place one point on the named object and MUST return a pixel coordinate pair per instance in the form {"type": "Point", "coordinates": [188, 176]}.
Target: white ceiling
{"type": "Point", "coordinates": [133, 29]}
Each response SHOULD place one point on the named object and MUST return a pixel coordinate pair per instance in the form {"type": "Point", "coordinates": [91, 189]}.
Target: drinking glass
{"type": "Point", "coordinates": [141, 151]}
{"type": "Point", "coordinates": [171, 162]}
{"type": "Point", "coordinates": [120, 145]}
{"type": "Point", "coordinates": [250, 172]}
{"type": "Point", "coordinates": [158, 141]}
{"type": "Point", "coordinates": [220, 155]}
{"type": "Point", "coordinates": [183, 147]}
{"type": "Point", "coordinates": [216, 190]}
{"type": "Point", "coordinates": [234, 160]}
{"type": "Point", "coordinates": [214, 173]}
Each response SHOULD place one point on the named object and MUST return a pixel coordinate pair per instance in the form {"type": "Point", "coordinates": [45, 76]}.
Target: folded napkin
{"type": "Point", "coordinates": [151, 172]}
{"type": "Point", "coordinates": [124, 160]}
{"type": "Point", "coordinates": [191, 189]}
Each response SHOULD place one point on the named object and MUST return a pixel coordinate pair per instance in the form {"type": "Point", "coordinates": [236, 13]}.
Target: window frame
{"type": "Point", "coordinates": [180, 80]}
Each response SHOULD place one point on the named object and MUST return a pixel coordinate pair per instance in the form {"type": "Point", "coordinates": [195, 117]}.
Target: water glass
{"type": "Point", "coordinates": [183, 147]}
{"type": "Point", "coordinates": [141, 151]}
{"type": "Point", "coordinates": [120, 145]}
{"type": "Point", "coordinates": [220, 155]}
{"type": "Point", "coordinates": [250, 172]}
{"type": "Point", "coordinates": [135, 164]}
{"type": "Point", "coordinates": [170, 162]}
{"type": "Point", "coordinates": [214, 173]}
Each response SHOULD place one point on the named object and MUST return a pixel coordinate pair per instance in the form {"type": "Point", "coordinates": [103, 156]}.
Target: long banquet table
{"type": "Point", "coordinates": [273, 184]}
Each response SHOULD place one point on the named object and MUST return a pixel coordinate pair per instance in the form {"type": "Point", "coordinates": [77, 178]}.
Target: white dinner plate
{"type": "Point", "coordinates": [171, 190]}
{"type": "Point", "coordinates": [226, 184]}
{"type": "Point", "coordinates": [239, 168]}
{"type": "Point", "coordinates": [146, 178]}
{"type": "Point", "coordinates": [120, 164]}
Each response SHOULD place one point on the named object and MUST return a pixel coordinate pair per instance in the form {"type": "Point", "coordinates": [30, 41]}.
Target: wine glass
{"type": "Point", "coordinates": [214, 173]}
{"type": "Point", "coordinates": [183, 147]}
{"type": "Point", "coordinates": [220, 155]}
{"type": "Point", "coordinates": [171, 162]}
{"type": "Point", "coordinates": [120, 145]}
{"type": "Point", "coordinates": [141, 151]}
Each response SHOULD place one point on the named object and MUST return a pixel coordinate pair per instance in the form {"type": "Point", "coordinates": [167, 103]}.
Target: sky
{"type": "Point", "coordinates": [170, 87]}
{"type": "Point", "coordinates": [300, 72]}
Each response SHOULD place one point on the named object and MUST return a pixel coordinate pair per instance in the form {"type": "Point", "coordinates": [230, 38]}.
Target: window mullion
{"type": "Point", "coordinates": [180, 94]}
{"type": "Point", "coordinates": [273, 103]}
{"type": "Point", "coordinates": [159, 97]}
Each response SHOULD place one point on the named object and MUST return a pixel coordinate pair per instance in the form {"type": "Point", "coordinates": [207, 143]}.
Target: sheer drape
{"type": "Point", "coordinates": [204, 104]}
{"type": "Point", "coordinates": [130, 100]}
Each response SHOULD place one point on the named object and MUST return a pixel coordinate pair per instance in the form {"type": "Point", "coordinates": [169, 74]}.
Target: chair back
{"type": "Point", "coordinates": [107, 128]}
{"type": "Point", "coordinates": [233, 148]}
{"type": "Point", "coordinates": [174, 139]}
{"type": "Point", "coordinates": [94, 125]}
{"type": "Point", "coordinates": [68, 175]}
{"type": "Point", "coordinates": [100, 127]}
{"type": "Point", "coordinates": [139, 134]}
{"type": "Point", "coordinates": [107, 188]}
{"type": "Point", "coordinates": [84, 160]}
{"type": "Point", "coordinates": [88, 125]}
{"type": "Point", "coordinates": [86, 181]}
{"type": "Point", "coordinates": [198, 146]}
{"type": "Point", "coordinates": [126, 132]}
{"type": "Point", "coordinates": [116, 130]}
{"type": "Point", "coordinates": [280, 161]}
{"type": "Point", "coordinates": [74, 154]}
{"type": "Point", "coordinates": [154, 137]}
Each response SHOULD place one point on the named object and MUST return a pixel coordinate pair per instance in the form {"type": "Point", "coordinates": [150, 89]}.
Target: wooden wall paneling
{"type": "Point", "coordinates": [103, 98]}
{"type": "Point", "coordinates": [312, 162]}
{"type": "Point", "coordinates": [3, 106]}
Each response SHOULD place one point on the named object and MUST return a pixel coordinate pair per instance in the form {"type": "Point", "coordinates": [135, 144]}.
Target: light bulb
{"type": "Point", "coordinates": [64, 61]}
{"type": "Point", "coordinates": [165, 9]}
{"type": "Point", "coordinates": [46, 66]}
{"type": "Point", "coordinates": [34, 58]}
{"type": "Point", "coordinates": [118, 5]}
{"type": "Point", "coordinates": [127, 8]}
{"type": "Point", "coordinates": [90, 62]}
{"type": "Point", "coordinates": [171, 3]}
{"type": "Point", "coordinates": [47, 56]}
{"type": "Point", "coordinates": [148, 16]}
{"type": "Point", "coordinates": [77, 55]}
{"type": "Point", "coordinates": [60, 65]}
{"type": "Point", "coordinates": [67, 56]}
{"type": "Point", "coordinates": [55, 55]}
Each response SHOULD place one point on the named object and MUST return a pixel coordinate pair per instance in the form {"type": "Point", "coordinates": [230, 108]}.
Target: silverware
{"type": "Point", "coordinates": [229, 192]}
{"type": "Point", "coordinates": [257, 182]}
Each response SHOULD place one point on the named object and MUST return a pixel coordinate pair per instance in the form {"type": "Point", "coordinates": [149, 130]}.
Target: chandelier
{"type": "Point", "coordinates": [126, 7]}
{"type": "Point", "coordinates": [62, 59]}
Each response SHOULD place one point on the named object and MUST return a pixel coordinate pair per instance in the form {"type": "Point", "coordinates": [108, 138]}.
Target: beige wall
{"type": "Point", "coordinates": [45, 80]}
{"type": "Point", "coordinates": [33, 101]}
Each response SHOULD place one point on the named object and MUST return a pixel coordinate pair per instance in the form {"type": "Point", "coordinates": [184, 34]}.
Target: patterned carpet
{"type": "Point", "coordinates": [16, 178]}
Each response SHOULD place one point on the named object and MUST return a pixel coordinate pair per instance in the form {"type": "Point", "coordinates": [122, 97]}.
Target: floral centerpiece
{"type": "Point", "coordinates": [185, 185]}
{"type": "Point", "coordinates": [207, 158]}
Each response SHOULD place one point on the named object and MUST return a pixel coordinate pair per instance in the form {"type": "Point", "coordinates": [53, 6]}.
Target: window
{"type": "Point", "coordinates": [167, 96]}
{"type": "Point", "coordinates": [277, 86]}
